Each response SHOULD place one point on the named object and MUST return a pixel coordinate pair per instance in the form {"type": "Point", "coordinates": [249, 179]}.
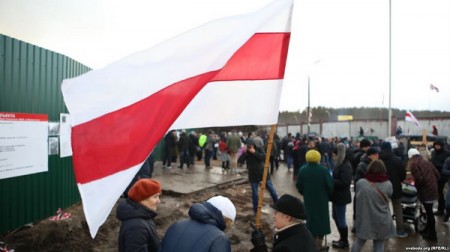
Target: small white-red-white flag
{"type": "Point", "coordinates": [411, 118]}
{"type": "Point", "coordinates": [232, 67]}
{"type": "Point", "coordinates": [433, 87]}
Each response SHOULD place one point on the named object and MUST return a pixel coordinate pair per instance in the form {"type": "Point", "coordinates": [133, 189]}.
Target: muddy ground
{"type": "Point", "coordinates": [73, 235]}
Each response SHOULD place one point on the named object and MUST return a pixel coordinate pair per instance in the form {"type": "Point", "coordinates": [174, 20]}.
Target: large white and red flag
{"type": "Point", "coordinates": [231, 67]}
{"type": "Point", "coordinates": [411, 118]}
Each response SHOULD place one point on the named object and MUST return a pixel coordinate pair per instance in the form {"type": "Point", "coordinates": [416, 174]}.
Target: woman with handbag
{"type": "Point", "coordinates": [373, 221]}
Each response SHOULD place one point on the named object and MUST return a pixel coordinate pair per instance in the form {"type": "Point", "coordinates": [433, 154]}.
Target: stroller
{"type": "Point", "coordinates": [413, 211]}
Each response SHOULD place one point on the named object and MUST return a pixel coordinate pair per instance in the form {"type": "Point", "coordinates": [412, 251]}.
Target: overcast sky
{"type": "Point", "coordinates": [342, 45]}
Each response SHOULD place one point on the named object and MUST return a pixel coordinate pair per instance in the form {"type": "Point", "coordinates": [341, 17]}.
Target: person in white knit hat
{"type": "Point", "coordinates": [204, 231]}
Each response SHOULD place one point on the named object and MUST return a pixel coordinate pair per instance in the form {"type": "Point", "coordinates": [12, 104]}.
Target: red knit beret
{"type": "Point", "coordinates": [143, 189]}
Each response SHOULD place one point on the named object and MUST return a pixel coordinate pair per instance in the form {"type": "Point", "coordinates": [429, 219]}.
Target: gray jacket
{"type": "Point", "coordinates": [374, 219]}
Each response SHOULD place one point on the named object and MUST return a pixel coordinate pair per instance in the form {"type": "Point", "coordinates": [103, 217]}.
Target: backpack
{"type": "Point", "coordinates": [223, 146]}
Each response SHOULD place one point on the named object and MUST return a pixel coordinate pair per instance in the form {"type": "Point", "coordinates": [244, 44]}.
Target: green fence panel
{"type": "Point", "coordinates": [30, 82]}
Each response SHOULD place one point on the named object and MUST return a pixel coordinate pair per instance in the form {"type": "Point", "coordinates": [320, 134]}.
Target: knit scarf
{"type": "Point", "coordinates": [376, 177]}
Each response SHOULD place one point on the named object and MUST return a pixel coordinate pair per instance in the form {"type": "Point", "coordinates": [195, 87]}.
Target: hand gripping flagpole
{"type": "Point", "coordinates": [265, 174]}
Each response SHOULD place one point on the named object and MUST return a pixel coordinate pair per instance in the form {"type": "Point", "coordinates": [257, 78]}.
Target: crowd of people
{"type": "Point", "coordinates": [186, 148]}
{"type": "Point", "coordinates": [323, 171]}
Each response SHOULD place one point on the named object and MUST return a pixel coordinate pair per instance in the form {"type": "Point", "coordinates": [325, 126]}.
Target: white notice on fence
{"type": "Point", "coordinates": [23, 144]}
{"type": "Point", "coordinates": [65, 130]}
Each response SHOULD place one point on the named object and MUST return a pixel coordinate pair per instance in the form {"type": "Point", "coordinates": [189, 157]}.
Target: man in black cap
{"type": "Point", "coordinates": [358, 153]}
{"type": "Point", "coordinates": [291, 234]}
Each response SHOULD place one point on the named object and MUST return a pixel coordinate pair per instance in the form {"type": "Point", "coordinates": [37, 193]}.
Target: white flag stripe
{"type": "Point", "coordinates": [222, 38]}
{"type": "Point", "coordinates": [264, 112]}
{"type": "Point", "coordinates": [100, 196]}
{"type": "Point", "coordinates": [411, 118]}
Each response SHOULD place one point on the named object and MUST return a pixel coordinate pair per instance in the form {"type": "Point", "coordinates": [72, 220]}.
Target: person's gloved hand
{"type": "Point", "coordinates": [258, 239]}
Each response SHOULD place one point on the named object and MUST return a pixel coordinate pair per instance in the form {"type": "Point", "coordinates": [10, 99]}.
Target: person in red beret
{"type": "Point", "coordinates": [137, 212]}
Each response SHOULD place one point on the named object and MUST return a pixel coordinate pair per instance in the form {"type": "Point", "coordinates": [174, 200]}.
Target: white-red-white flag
{"type": "Point", "coordinates": [232, 67]}
{"type": "Point", "coordinates": [433, 87]}
{"type": "Point", "coordinates": [411, 118]}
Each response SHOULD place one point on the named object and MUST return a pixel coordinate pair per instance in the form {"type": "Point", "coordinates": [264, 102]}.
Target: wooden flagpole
{"type": "Point", "coordinates": [265, 174]}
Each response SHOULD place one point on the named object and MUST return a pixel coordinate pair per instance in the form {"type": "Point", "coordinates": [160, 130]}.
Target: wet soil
{"type": "Point", "coordinates": [72, 234]}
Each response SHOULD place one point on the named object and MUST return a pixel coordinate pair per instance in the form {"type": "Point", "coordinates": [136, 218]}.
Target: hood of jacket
{"type": "Point", "coordinates": [439, 142]}
{"type": "Point", "coordinates": [205, 212]}
{"type": "Point", "coordinates": [340, 151]}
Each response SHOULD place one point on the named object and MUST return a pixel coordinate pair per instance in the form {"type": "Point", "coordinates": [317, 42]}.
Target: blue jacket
{"type": "Point", "coordinates": [137, 231]}
{"type": "Point", "coordinates": [203, 232]}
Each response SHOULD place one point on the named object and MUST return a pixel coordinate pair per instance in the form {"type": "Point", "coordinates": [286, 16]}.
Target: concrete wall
{"type": "Point", "coordinates": [380, 128]}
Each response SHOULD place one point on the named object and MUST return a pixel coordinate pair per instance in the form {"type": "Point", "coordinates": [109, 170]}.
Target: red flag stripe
{"type": "Point", "coordinates": [99, 144]}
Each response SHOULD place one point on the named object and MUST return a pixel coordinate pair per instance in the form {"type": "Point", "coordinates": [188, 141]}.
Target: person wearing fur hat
{"type": "Point", "coordinates": [315, 183]}
{"type": "Point", "coordinates": [374, 219]}
{"type": "Point", "coordinates": [138, 230]}
{"type": "Point", "coordinates": [204, 231]}
{"type": "Point", "coordinates": [291, 234]}
{"type": "Point", "coordinates": [426, 177]}
{"type": "Point", "coordinates": [342, 177]}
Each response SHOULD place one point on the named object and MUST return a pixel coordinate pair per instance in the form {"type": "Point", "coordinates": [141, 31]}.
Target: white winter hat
{"type": "Point", "coordinates": [224, 205]}
{"type": "Point", "coordinates": [412, 152]}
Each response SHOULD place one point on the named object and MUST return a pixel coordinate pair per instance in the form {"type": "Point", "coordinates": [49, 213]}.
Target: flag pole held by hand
{"type": "Point", "coordinates": [265, 174]}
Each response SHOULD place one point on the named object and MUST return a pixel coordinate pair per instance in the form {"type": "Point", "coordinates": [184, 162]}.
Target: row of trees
{"type": "Point", "coordinates": [362, 113]}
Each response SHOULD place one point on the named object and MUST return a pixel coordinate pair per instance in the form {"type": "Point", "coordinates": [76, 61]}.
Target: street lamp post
{"type": "Point", "coordinates": [308, 110]}
{"type": "Point", "coordinates": [390, 70]}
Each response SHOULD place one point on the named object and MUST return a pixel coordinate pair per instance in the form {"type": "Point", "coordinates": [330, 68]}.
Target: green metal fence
{"type": "Point", "coordinates": [30, 82]}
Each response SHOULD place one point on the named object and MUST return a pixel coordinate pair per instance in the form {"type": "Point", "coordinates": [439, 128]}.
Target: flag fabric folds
{"type": "Point", "coordinates": [433, 87]}
{"type": "Point", "coordinates": [231, 67]}
{"type": "Point", "coordinates": [411, 118]}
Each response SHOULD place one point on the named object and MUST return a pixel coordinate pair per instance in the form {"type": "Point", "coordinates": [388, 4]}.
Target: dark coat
{"type": "Point", "coordinates": [294, 239]}
{"type": "Point", "coordinates": [193, 144]}
{"type": "Point", "coordinates": [438, 157]}
{"type": "Point", "coordinates": [342, 176]}
{"type": "Point", "coordinates": [183, 143]}
{"type": "Point", "coordinates": [138, 230]}
{"type": "Point", "coordinates": [203, 232]}
{"type": "Point", "coordinates": [396, 171]}
{"type": "Point", "coordinates": [170, 145]}
{"type": "Point", "coordinates": [255, 164]}
{"type": "Point", "coordinates": [361, 169]}
{"type": "Point", "coordinates": [446, 170]}
{"type": "Point", "coordinates": [315, 183]}
{"type": "Point", "coordinates": [425, 177]}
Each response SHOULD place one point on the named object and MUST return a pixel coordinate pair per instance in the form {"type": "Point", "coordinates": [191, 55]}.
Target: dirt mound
{"type": "Point", "coordinates": [72, 234]}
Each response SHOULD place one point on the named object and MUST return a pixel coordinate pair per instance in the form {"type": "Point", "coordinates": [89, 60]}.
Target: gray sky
{"type": "Point", "coordinates": [342, 45]}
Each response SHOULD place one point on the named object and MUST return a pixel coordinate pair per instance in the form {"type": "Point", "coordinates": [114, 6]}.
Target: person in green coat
{"type": "Point", "coordinates": [315, 183]}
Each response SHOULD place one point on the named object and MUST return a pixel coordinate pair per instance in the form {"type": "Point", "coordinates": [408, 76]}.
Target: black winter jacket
{"type": "Point", "coordinates": [293, 239]}
{"type": "Point", "coordinates": [396, 171]}
{"type": "Point", "coordinates": [438, 157]}
{"type": "Point", "coordinates": [342, 176]}
{"type": "Point", "coordinates": [137, 231]}
{"type": "Point", "coordinates": [255, 164]}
